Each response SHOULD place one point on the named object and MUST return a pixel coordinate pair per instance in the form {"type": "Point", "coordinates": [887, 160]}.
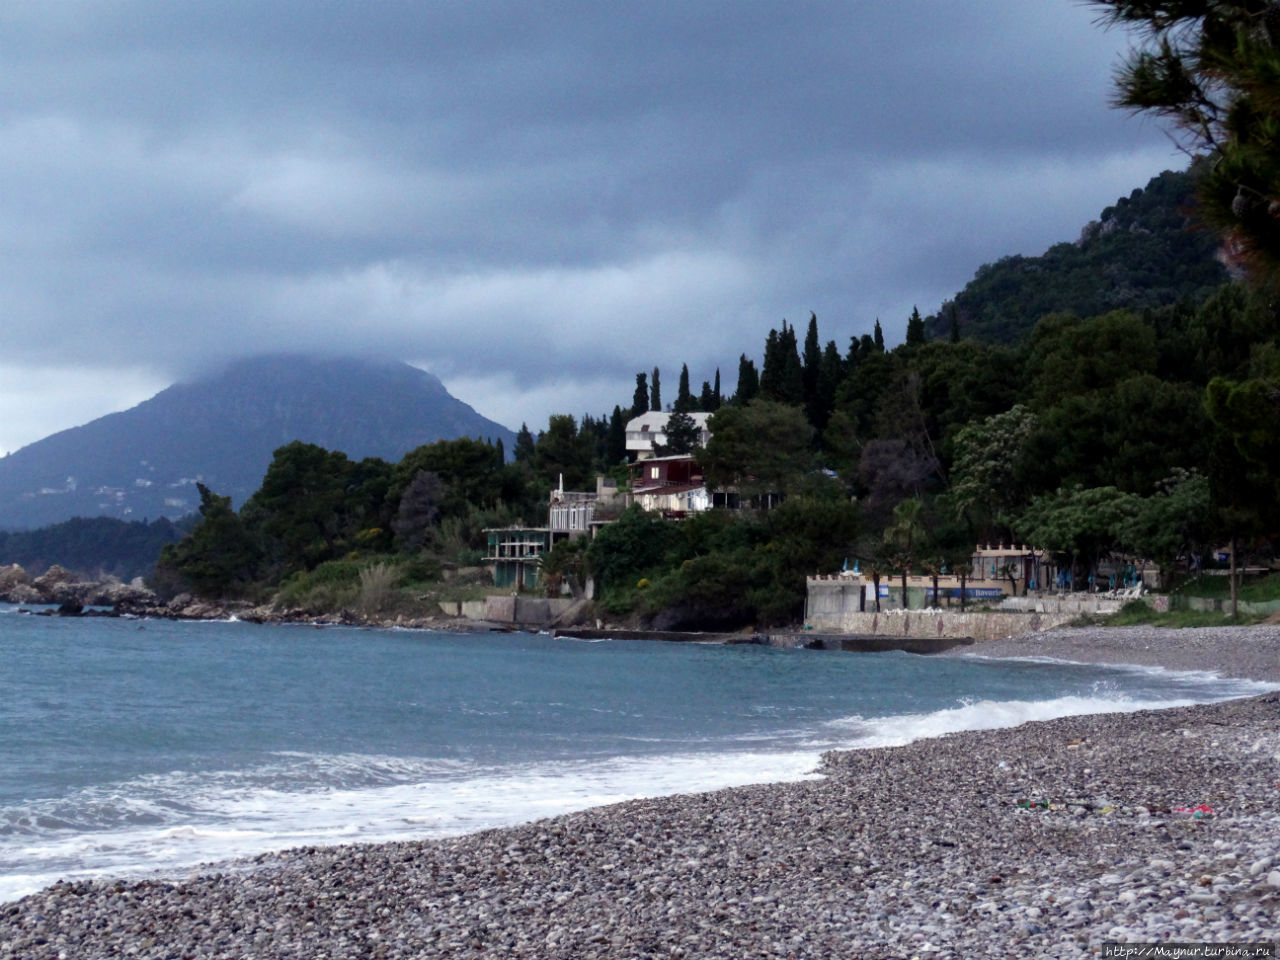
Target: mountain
{"type": "Point", "coordinates": [144, 462]}
{"type": "Point", "coordinates": [1144, 251]}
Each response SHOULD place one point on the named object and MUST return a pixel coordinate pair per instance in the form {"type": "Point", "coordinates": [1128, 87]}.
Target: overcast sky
{"type": "Point", "coordinates": [532, 200]}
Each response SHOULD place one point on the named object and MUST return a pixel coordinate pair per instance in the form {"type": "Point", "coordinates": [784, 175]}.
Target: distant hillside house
{"type": "Point", "coordinates": [649, 429]}
{"type": "Point", "coordinates": [515, 555]}
{"type": "Point", "coordinates": [573, 513]}
{"type": "Point", "coordinates": [672, 486]}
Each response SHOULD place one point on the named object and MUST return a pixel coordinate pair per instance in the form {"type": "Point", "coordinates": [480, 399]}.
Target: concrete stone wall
{"type": "Point", "coordinates": [1072, 603]}
{"type": "Point", "coordinates": [471, 609]}
{"type": "Point", "coordinates": [1223, 604]}
{"type": "Point", "coordinates": [505, 608]}
{"type": "Point", "coordinates": [939, 623]}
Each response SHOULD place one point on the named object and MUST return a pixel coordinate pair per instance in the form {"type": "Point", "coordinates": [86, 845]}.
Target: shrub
{"type": "Point", "coordinates": [377, 588]}
{"type": "Point", "coordinates": [330, 587]}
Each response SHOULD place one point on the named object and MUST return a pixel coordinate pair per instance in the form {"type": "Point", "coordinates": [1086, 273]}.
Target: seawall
{"type": "Point", "coordinates": [938, 624]}
{"type": "Point", "coordinates": [806, 640]}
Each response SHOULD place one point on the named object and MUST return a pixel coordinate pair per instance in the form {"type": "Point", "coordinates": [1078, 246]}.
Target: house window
{"type": "Point", "coordinates": [653, 473]}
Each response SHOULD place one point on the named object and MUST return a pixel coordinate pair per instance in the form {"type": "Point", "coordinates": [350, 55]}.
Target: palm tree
{"type": "Point", "coordinates": [905, 533]}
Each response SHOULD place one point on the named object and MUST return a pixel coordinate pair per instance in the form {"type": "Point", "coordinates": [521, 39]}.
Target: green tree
{"type": "Point", "coordinates": [220, 558]}
{"type": "Point", "coordinates": [419, 510]}
{"type": "Point", "coordinates": [960, 383]}
{"type": "Point", "coordinates": [1068, 356]}
{"type": "Point", "coordinates": [1212, 69]}
{"type": "Point", "coordinates": [684, 399]}
{"type": "Point", "coordinates": [1249, 412]}
{"type": "Point", "coordinates": [1173, 522]}
{"type": "Point", "coordinates": [707, 398]}
{"type": "Point", "coordinates": [313, 502]}
{"type": "Point", "coordinates": [915, 328]}
{"type": "Point", "coordinates": [748, 382]}
{"type": "Point", "coordinates": [782, 377]}
{"type": "Point", "coordinates": [631, 547]}
{"type": "Point", "coordinates": [682, 434]}
{"type": "Point", "coordinates": [811, 363]}
{"type": "Point", "coordinates": [564, 452]}
{"type": "Point", "coordinates": [985, 476]}
{"type": "Point", "coordinates": [860, 393]}
{"type": "Point", "coordinates": [761, 448]}
{"type": "Point", "coordinates": [640, 401]}
{"type": "Point", "coordinates": [1080, 523]}
{"type": "Point", "coordinates": [1227, 328]}
{"type": "Point", "coordinates": [467, 469]}
{"type": "Point", "coordinates": [906, 536]}
{"type": "Point", "coordinates": [655, 391]}
{"type": "Point", "coordinates": [523, 452]}
{"type": "Point", "coordinates": [1243, 478]}
{"type": "Point", "coordinates": [616, 450]}
{"type": "Point", "coordinates": [830, 373]}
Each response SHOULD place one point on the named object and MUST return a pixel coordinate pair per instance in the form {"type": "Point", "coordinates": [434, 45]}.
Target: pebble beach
{"type": "Point", "coordinates": [1045, 840]}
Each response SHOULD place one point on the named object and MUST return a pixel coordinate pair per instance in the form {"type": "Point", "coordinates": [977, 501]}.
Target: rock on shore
{"type": "Point", "coordinates": [1041, 841]}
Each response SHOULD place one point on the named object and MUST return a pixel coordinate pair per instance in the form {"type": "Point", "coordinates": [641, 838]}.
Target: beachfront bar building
{"type": "Point", "coordinates": [993, 572]}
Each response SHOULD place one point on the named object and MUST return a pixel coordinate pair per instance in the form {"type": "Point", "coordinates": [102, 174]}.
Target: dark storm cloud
{"type": "Point", "coordinates": [516, 193]}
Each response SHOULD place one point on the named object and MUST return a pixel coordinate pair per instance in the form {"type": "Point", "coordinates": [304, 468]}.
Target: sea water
{"type": "Point", "coordinates": [134, 746]}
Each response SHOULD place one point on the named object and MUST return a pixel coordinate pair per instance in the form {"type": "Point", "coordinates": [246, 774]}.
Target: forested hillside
{"type": "Point", "coordinates": [1147, 250]}
{"type": "Point", "coordinates": [1046, 416]}
{"type": "Point", "coordinates": [1116, 432]}
{"type": "Point", "coordinates": [93, 546]}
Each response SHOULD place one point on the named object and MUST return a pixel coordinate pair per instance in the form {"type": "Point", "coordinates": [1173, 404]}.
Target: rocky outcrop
{"type": "Point", "coordinates": [60, 587]}
{"type": "Point", "coordinates": [54, 578]}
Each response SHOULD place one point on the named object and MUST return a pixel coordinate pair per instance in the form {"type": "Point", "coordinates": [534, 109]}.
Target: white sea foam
{"type": "Point", "coordinates": [983, 715]}
{"type": "Point", "coordinates": [211, 821]}
{"type": "Point", "coordinates": [1231, 686]}
{"type": "Point", "coordinates": [994, 715]}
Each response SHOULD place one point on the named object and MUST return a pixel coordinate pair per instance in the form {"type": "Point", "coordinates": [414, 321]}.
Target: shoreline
{"type": "Point", "coordinates": [1245, 653]}
{"type": "Point", "coordinates": [918, 850]}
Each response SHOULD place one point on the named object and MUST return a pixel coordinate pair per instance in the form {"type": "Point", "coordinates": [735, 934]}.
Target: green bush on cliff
{"type": "Point", "coordinates": [329, 588]}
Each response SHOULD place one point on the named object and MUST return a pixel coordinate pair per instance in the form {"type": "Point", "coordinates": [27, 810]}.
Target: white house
{"type": "Point", "coordinates": [648, 429]}
{"type": "Point", "coordinates": [671, 486]}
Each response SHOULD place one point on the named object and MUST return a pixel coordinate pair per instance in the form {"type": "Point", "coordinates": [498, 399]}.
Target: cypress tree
{"type": "Point", "coordinates": [640, 400]}
{"type": "Point", "coordinates": [771, 366]}
{"type": "Point", "coordinates": [915, 328]}
{"type": "Point", "coordinates": [748, 382]}
{"type": "Point", "coordinates": [812, 360]}
{"type": "Point", "coordinates": [782, 378]}
{"type": "Point", "coordinates": [655, 392]}
{"type": "Point", "coordinates": [792, 381]}
{"type": "Point", "coordinates": [684, 399]}
{"type": "Point", "coordinates": [716, 396]}
{"type": "Point", "coordinates": [879, 337]}
{"type": "Point", "coordinates": [524, 445]}
{"type": "Point", "coordinates": [616, 450]}
{"type": "Point", "coordinates": [830, 373]}
{"type": "Point", "coordinates": [706, 399]}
